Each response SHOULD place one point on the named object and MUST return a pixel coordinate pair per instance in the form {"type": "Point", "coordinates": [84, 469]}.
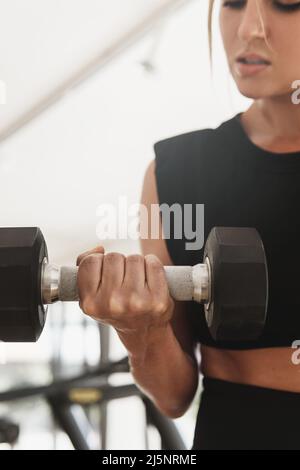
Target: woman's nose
{"type": "Point", "coordinates": [253, 24]}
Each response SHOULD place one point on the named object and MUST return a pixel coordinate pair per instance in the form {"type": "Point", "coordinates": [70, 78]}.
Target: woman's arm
{"type": "Point", "coordinates": [168, 372]}
{"type": "Point", "coordinates": [131, 294]}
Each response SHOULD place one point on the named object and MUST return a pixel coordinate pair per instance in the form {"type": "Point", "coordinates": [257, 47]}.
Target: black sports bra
{"type": "Point", "coordinates": [240, 185]}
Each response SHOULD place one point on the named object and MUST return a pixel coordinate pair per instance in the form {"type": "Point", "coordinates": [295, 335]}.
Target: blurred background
{"type": "Point", "coordinates": [90, 86]}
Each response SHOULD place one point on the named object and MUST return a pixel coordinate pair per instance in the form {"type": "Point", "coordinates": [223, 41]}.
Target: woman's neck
{"type": "Point", "coordinates": [273, 124]}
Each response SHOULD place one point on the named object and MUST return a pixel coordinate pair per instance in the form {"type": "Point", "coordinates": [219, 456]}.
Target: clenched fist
{"type": "Point", "coordinates": [129, 293]}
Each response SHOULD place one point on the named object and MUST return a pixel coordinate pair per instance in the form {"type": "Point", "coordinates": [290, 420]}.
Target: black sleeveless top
{"type": "Point", "coordinates": [240, 185]}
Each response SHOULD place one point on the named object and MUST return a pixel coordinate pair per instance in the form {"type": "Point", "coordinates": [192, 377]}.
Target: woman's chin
{"type": "Point", "coordinates": [254, 91]}
{"type": "Point", "coordinates": [260, 91]}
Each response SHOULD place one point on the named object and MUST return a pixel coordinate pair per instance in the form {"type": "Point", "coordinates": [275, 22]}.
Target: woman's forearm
{"type": "Point", "coordinates": [162, 370]}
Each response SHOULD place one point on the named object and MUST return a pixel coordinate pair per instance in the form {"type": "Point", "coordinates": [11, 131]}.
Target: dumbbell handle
{"type": "Point", "coordinates": [184, 282]}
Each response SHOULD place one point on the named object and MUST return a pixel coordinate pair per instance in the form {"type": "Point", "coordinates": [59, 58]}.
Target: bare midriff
{"type": "Point", "coordinates": [271, 368]}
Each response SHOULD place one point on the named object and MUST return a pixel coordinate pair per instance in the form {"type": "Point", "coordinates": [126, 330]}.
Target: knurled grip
{"type": "Point", "coordinates": [184, 282]}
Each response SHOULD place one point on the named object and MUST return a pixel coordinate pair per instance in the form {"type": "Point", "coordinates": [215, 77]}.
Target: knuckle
{"type": "Point", "coordinates": [135, 258]}
{"type": "Point", "coordinates": [116, 306]}
{"type": "Point", "coordinates": [98, 250]}
{"type": "Point", "coordinates": [153, 262]}
{"type": "Point", "coordinates": [137, 304]}
{"type": "Point", "coordinates": [160, 307]}
{"type": "Point", "coordinates": [90, 260]}
{"type": "Point", "coordinates": [113, 257]}
{"type": "Point", "coordinates": [90, 306]}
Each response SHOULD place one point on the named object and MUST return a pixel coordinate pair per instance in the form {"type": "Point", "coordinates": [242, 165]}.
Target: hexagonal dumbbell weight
{"type": "Point", "coordinates": [232, 283]}
{"type": "Point", "coordinates": [238, 300]}
{"type": "Point", "coordinates": [22, 311]}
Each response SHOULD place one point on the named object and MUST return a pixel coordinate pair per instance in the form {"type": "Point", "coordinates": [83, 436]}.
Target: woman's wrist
{"type": "Point", "coordinates": [141, 343]}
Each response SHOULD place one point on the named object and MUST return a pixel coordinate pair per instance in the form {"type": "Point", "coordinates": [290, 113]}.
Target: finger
{"type": "Point", "coordinates": [89, 275]}
{"type": "Point", "coordinates": [97, 249]}
{"type": "Point", "coordinates": [155, 275]}
{"type": "Point", "coordinates": [135, 271]}
{"type": "Point", "coordinates": [113, 270]}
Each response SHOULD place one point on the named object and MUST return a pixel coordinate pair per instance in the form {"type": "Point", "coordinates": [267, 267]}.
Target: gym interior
{"type": "Point", "coordinates": [87, 88]}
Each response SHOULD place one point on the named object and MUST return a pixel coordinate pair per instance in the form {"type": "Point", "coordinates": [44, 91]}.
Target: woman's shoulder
{"type": "Point", "coordinates": [183, 142]}
{"type": "Point", "coordinates": [180, 147]}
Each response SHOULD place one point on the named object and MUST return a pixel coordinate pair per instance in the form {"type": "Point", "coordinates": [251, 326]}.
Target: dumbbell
{"type": "Point", "coordinates": [232, 284]}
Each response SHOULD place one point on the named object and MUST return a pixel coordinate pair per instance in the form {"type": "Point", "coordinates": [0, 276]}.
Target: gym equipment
{"type": "Point", "coordinates": [232, 283]}
{"type": "Point", "coordinates": [91, 388]}
{"type": "Point", "coordinates": [9, 431]}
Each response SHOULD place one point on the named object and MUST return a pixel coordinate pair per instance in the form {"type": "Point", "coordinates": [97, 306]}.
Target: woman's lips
{"type": "Point", "coordinates": [245, 70]}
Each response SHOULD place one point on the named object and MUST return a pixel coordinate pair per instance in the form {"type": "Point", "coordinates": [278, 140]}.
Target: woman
{"type": "Point", "coordinates": [247, 173]}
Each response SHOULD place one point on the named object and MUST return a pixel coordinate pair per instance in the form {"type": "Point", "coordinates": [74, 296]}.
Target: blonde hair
{"type": "Point", "coordinates": [210, 16]}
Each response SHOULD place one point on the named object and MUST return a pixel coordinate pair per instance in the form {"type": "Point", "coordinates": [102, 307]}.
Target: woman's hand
{"type": "Point", "coordinates": [129, 293]}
